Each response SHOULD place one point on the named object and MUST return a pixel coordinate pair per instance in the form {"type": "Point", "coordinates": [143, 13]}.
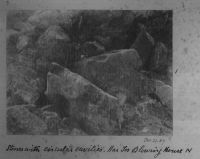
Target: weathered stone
{"type": "Point", "coordinates": [159, 58]}
{"type": "Point", "coordinates": [170, 74]}
{"type": "Point", "coordinates": [94, 109]}
{"type": "Point", "coordinates": [46, 18]}
{"type": "Point", "coordinates": [92, 49]}
{"type": "Point", "coordinates": [152, 126]}
{"type": "Point", "coordinates": [105, 41]}
{"type": "Point", "coordinates": [27, 58]}
{"type": "Point", "coordinates": [17, 16]}
{"type": "Point", "coordinates": [144, 44]}
{"type": "Point", "coordinates": [165, 93]}
{"type": "Point", "coordinates": [10, 33]}
{"type": "Point", "coordinates": [147, 117]}
{"type": "Point", "coordinates": [62, 37]}
{"type": "Point", "coordinates": [60, 105]}
{"type": "Point", "coordinates": [41, 65]}
{"type": "Point", "coordinates": [53, 46]}
{"type": "Point", "coordinates": [23, 27]}
{"type": "Point", "coordinates": [22, 121]}
{"type": "Point", "coordinates": [116, 73]}
{"type": "Point", "coordinates": [159, 83]}
{"type": "Point", "coordinates": [48, 108]}
{"type": "Point", "coordinates": [54, 32]}
{"type": "Point", "coordinates": [52, 120]}
{"type": "Point", "coordinates": [11, 41]}
{"type": "Point", "coordinates": [23, 85]}
{"type": "Point", "coordinates": [22, 42]}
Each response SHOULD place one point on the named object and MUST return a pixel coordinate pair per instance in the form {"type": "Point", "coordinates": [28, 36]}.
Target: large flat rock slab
{"type": "Point", "coordinates": [117, 73]}
{"type": "Point", "coordinates": [96, 111]}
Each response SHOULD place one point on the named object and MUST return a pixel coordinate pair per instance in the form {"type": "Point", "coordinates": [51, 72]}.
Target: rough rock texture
{"type": "Point", "coordinates": [22, 42]}
{"type": "Point", "coordinates": [46, 18]}
{"type": "Point", "coordinates": [11, 39]}
{"type": "Point", "coordinates": [95, 110]}
{"type": "Point", "coordinates": [27, 58]}
{"type": "Point", "coordinates": [165, 93]}
{"type": "Point", "coordinates": [52, 121]}
{"type": "Point", "coordinates": [103, 40]}
{"type": "Point", "coordinates": [144, 44]}
{"type": "Point", "coordinates": [21, 121]}
{"type": "Point", "coordinates": [147, 117]}
{"type": "Point", "coordinates": [115, 90]}
{"type": "Point", "coordinates": [10, 33]}
{"type": "Point", "coordinates": [23, 85]}
{"type": "Point", "coordinates": [53, 46]}
{"type": "Point", "coordinates": [92, 49]}
{"type": "Point", "coordinates": [14, 17]}
{"type": "Point", "coordinates": [23, 27]}
{"type": "Point", "coordinates": [116, 73]}
{"type": "Point", "coordinates": [53, 32]}
{"type": "Point", "coordinates": [159, 58]}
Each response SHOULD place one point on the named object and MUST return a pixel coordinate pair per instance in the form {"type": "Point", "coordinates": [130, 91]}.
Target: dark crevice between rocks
{"type": "Point", "coordinates": [42, 100]}
{"type": "Point", "coordinates": [58, 104]}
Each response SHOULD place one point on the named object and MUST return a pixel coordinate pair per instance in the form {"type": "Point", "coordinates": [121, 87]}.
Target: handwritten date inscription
{"type": "Point", "coordinates": [154, 140]}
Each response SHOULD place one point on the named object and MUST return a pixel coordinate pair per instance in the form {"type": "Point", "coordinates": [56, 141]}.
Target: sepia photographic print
{"type": "Point", "coordinates": [89, 72]}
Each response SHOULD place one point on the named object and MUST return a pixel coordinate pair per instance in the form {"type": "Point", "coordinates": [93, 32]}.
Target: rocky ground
{"type": "Point", "coordinates": [89, 72]}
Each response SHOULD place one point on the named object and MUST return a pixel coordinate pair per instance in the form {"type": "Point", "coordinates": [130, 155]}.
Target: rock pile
{"type": "Point", "coordinates": [72, 73]}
